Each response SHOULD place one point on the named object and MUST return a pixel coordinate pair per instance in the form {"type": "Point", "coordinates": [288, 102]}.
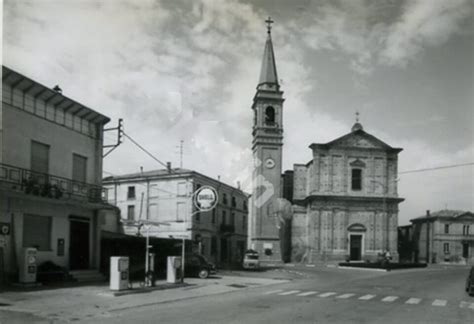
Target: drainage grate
{"type": "Point", "coordinates": [237, 286]}
{"type": "Point", "coordinates": [4, 304]}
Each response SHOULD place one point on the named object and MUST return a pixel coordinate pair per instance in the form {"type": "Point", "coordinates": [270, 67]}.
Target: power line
{"type": "Point", "coordinates": [145, 150]}
{"type": "Point", "coordinates": [437, 168]}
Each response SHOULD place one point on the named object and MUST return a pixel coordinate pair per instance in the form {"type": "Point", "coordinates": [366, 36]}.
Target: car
{"type": "Point", "coordinates": [197, 265]}
{"type": "Point", "coordinates": [251, 260]}
{"type": "Point", "coordinates": [470, 282]}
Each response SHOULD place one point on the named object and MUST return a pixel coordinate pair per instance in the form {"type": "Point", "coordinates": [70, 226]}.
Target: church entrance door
{"type": "Point", "coordinates": [355, 247]}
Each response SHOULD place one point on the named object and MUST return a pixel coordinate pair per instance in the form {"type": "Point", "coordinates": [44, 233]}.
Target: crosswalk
{"type": "Point", "coordinates": [370, 297]}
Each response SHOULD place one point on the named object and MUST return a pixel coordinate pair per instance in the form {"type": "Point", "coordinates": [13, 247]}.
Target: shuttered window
{"type": "Point", "coordinates": [37, 232]}
{"type": "Point", "coordinates": [39, 157]}
{"type": "Point", "coordinates": [79, 168]}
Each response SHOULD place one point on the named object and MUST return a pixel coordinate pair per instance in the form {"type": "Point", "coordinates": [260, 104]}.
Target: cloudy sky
{"type": "Point", "coordinates": [187, 70]}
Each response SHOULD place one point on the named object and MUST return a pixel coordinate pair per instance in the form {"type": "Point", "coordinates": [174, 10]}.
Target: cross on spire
{"type": "Point", "coordinates": [269, 22]}
{"type": "Point", "coordinates": [357, 116]}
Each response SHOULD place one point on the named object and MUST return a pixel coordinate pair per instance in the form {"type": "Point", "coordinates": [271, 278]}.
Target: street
{"type": "Point", "coordinates": [434, 295]}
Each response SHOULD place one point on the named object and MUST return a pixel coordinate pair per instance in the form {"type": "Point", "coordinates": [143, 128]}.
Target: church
{"type": "Point", "coordinates": [343, 202]}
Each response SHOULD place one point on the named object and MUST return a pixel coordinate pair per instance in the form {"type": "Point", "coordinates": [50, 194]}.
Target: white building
{"type": "Point", "coordinates": [165, 196]}
{"type": "Point", "coordinates": [50, 176]}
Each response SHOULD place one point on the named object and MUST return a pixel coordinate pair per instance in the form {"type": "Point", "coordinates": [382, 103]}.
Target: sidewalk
{"type": "Point", "coordinates": [97, 301]}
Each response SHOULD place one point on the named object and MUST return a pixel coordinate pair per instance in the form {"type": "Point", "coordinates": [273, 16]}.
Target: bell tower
{"type": "Point", "coordinates": [267, 155]}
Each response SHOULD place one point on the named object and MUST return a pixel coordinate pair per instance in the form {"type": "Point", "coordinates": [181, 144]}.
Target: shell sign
{"type": "Point", "coordinates": [205, 198]}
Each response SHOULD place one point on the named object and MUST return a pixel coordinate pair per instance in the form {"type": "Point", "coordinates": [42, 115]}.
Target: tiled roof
{"type": "Point", "coordinates": [443, 213]}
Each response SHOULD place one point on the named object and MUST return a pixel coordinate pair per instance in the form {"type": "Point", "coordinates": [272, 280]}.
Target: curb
{"type": "Point", "coordinates": [143, 290]}
{"type": "Point", "coordinates": [364, 269]}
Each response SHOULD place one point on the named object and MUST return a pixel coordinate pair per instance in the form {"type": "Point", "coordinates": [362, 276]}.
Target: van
{"type": "Point", "coordinates": [251, 260]}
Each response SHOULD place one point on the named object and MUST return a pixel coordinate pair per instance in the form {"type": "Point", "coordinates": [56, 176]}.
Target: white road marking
{"type": "Point", "coordinates": [291, 292]}
{"type": "Point", "coordinates": [308, 293]}
{"type": "Point", "coordinates": [389, 299]}
{"type": "Point", "coordinates": [413, 301]}
{"type": "Point", "coordinates": [327, 294]}
{"type": "Point", "coordinates": [344, 296]}
{"type": "Point", "coordinates": [464, 304]}
{"type": "Point", "coordinates": [273, 292]}
{"type": "Point", "coordinates": [366, 297]}
{"type": "Point", "coordinates": [439, 302]}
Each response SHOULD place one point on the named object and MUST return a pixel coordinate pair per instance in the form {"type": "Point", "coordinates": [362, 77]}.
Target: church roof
{"type": "Point", "coordinates": [357, 138]}
{"type": "Point", "coordinates": [268, 73]}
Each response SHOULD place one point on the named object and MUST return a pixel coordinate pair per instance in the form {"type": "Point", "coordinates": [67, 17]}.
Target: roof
{"type": "Point", "coordinates": [57, 99]}
{"type": "Point", "coordinates": [357, 138]}
{"type": "Point", "coordinates": [163, 174]}
{"type": "Point", "coordinates": [268, 72]}
{"type": "Point", "coordinates": [444, 213]}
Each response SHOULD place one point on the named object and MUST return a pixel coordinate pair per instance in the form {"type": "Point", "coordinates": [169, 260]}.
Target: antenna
{"type": "Point", "coordinates": [181, 151]}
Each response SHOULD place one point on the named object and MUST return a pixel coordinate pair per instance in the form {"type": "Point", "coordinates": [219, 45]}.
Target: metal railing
{"type": "Point", "coordinates": [50, 186]}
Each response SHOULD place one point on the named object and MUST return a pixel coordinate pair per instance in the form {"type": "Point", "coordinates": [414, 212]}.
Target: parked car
{"type": "Point", "coordinates": [470, 282]}
{"type": "Point", "coordinates": [197, 265]}
{"type": "Point", "coordinates": [251, 260]}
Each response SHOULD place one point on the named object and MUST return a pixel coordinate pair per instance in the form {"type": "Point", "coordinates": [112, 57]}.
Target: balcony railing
{"type": "Point", "coordinates": [50, 186]}
{"type": "Point", "coordinates": [227, 229]}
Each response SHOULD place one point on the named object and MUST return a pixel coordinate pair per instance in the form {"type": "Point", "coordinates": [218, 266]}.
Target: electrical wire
{"type": "Point", "coordinates": [437, 168]}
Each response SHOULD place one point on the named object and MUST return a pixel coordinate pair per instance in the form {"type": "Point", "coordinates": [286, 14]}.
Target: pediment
{"type": "Point", "coordinates": [359, 140]}
{"type": "Point", "coordinates": [357, 227]}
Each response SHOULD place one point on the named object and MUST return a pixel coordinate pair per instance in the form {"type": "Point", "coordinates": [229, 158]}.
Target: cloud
{"type": "Point", "coordinates": [381, 32]}
{"type": "Point", "coordinates": [423, 24]}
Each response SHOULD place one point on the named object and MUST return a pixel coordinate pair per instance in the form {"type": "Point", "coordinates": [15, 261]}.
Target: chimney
{"type": "Point", "coordinates": [218, 178]}
{"type": "Point", "coordinates": [141, 170]}
{"type": "Point", "coordinates": [238, 185]}
{"type": "Point", "coordinates": [168, 167]}
{"type": "Point", "coordinates": [428, 213]}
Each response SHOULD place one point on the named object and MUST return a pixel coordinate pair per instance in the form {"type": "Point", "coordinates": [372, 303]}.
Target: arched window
{"type": "Point", "coordinates": [270, 115]}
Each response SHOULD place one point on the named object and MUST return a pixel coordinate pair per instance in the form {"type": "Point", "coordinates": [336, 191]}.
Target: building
{"type": "Point", "coordinates": [267, 147]}
{"type": "Point", "coordinates": [346, 200]}
{"type": "Point", "coordinates": [444, 236]}
{"type": "Point", "coordinates": [165, 196]}
{"type": "Point", "coordinates": [51, 196]}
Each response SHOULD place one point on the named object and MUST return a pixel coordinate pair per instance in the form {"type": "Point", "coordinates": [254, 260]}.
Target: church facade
{"type": "Point", "coordinates": [345, 200]}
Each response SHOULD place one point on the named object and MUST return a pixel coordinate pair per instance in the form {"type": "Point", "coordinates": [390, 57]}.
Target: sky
{"type": "Point", "coordinates": [187, 70]}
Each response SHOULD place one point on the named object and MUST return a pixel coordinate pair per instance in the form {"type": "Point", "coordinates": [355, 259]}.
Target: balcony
{"type": "Point", "coordinates": [227, 229]}
{"type": "Point", "coordinates": [49, 186]}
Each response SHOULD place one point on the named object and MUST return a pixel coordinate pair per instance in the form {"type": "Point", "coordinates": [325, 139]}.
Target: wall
{"type": "Point", "coordinates": [20, 128]}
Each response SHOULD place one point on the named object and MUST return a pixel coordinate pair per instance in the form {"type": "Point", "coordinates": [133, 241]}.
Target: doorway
{"type": "Point", "coordinates": [465, 250]}
{"type": "Point", "coordinates": [79, 244]}
{"type": "Point", "coordinates": [355, 247]}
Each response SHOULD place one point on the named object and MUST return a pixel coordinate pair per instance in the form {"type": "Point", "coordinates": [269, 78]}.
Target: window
{"type": "Point", "coordinates": [270, 115]}
{"type": "Point", "coordinates": [131, 212]}
{"type": "Point", "coordinates": [182, 189]}
{"type": "Point", "coordinates": [37, 232]}
{"type": "Point", "coordinates": [234, 202]}
{"type": "Point", "coordinates": [213, 220]}
{"type": "Point", "coordinates": [356, 179]}
{"type": "Point", "coordinates": [244, 221]}
{"type": "Point", "coordinates": [39, 157]}
{"type": "Point", "coordinates": [446, 228]}
{"type": "Point", "coordinates": [180, 212]}
{"type": "Point", "coordinates": [198, 217]}
{"type": "Point", "coordinates": [224, 199]}
{"type": "Point", "coordinates": [131, 192]}
{"type": "Point", "coordinates": [232, 219]}
{"type": "Point", "coordinates": [446, 248]}
{"type": "Point", "coordinates": [245, 205]}
{"type": "Point", "coordinates": [213, 246]}
{"type": "Point", "coordinates": [79, 168]}
{"type": "Point", "coordinates": [465, 230]}
{"type": "Point", "coordinates": [224, 216]}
